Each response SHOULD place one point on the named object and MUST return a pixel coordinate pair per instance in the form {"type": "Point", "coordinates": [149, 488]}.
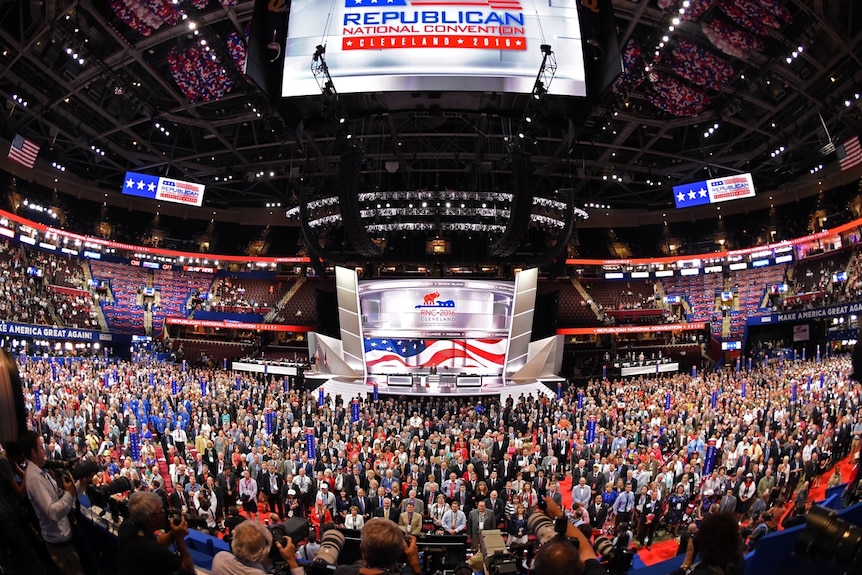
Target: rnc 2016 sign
{"type": "Point", "coordinates": [164, 189]}
{"type": "Point", "coordinates": [714, 191]}
{"type": "Point", "coordinates": [411, 45]}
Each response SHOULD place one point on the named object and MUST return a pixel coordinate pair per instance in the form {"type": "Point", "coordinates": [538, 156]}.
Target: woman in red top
{"type": "Point", "coordinates": [319, 515]}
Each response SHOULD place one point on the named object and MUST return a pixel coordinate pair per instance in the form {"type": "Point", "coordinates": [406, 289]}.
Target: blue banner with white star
{"type": "Point", "coordinates": [713, 191]}
{"type": "Point", "coordinates": [164, 189]}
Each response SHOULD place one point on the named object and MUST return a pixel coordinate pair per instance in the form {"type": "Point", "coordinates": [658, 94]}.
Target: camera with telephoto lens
{"type": "Point", "coordinates": [331, 545]}
{"type": "Point", "coordinates": [617, 559]}
{"type": "Point", "coordinates": [295, 528]}
{"type": "Point", "coordinates": [832, 539]}
{"type": "Point", "coordinates": [101, 496]}
{"type": "Point", "coordinates": [85, 468]}
{"type": "Point", "coordinates": [546, 529]}
{"type": "Point", "coordinates": [75, 468]}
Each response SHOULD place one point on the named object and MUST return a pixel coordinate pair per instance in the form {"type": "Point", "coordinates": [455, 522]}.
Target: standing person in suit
{"type": "Point", "coordinates": [411, 520]}
{"type": "Point", "coordinates": [464, 498]}
{"type": "Point", "coordinates": [179, 501]}
{"type": "Point", "coordinates": [497, 507]}
{"type": "Point", "coordinates": [582, 493]}
{"type": "Point", "coordinates": [271, 485]}
{"type": "Point", "coordinates": [363, 503]}
{"type": "Point", "coordinates": [210, 458]}
{"type": "Point", "coordinates": [387, 511]}
{"type": "Point", "coordinates": [598, 512]}
{"type": "Point", "coordinates": [727, 504]}
{"type": "Point", "coordinates": [418, 504]}
{"type": "Point", "coordinates": [480, 519]}
{"type": "Point", "coordinates": [554, 494]}
{"type": "Point", "coordinates": [555, 470]}
{"type": "Point", "coordinates": [451, 487]}
{"type": "Point", "coordinates": [648, 520]}
{"type": "Point", "coordinates": [506, 468]}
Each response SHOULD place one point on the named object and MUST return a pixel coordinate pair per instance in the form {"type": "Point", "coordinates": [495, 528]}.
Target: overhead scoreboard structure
{"type": "Point", "coordinates": [163, 189]}
{"type": "Point", "coordinates": [728, 188]}
{"type": "Point", "coordinates": [437, 45]}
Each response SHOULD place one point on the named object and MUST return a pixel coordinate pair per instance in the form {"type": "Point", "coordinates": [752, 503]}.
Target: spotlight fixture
{"type": "Point", "coordinates": [160, 127]}
{"type": "Point", "coordinates": [816, 169]}
{"type": "Point", "coordinates": [777, 152]}
{"type": "Point", "coordinates": [794, 54]}
{"type": "Point", "coordinates": [539, 90]}
{"type": "Point", "coordinates": [711, 130]}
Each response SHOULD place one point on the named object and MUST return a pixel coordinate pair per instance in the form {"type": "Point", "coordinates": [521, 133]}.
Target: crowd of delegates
{"type": "Point", "coordinates": [29, 294]}
{"type": "Point", "coordinates": [234, 442]}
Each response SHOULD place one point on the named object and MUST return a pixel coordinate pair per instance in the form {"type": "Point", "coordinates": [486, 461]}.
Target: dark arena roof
{"type": "Point", "coordinates": [708, 90]}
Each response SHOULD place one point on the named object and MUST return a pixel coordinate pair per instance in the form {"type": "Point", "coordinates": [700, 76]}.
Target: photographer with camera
{"type": "Point", "coordinates": [562, 556]}
{"type": "Point", "coordinates": [53, 503]}
{"type": "Point", "coordinates": [718, 545]}
{"type": "Point", "coordinates": [382, 545]}
{"type": "Point", "coordinates": [250, 552]}
{"type": "Point", "coordinates": [768, 523]}
{"type": "Point", "coordinates": [140, 551]}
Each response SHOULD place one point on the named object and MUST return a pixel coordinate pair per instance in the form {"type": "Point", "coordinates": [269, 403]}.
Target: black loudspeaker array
{"type": "Point", "coordinates": [317, 253]}
{"type": "Point", "coordinates": [348, 201]}
{"type": "Point", "coordinates": [522, 207]}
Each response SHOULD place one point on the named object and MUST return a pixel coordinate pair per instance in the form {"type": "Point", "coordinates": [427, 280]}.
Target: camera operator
{"type": "Point", "coordinates": [140, 551]}
{"type": "Point", "coordinates": [768, 523]}
{"type": "Point", "coordinates": [719, 546]}
{"type": "Point", "coordinates": [18, 534]}
{"type": "Point", "coordinates": [382, 545]}
{"type": "Point", "coordinates": [249, 554]}
{"type": "Point", "coordinates": [686, 535]}
{"type": "Point", "coordinates": [52, 503]}
{"type": "Point", "coordinates": [559, 556]}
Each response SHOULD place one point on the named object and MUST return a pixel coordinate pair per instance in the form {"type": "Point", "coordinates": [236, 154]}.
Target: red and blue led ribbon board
{"type": "Point", "coordinates": [714, 191]}
{"type": "Point", "coordinates": [163, 189]}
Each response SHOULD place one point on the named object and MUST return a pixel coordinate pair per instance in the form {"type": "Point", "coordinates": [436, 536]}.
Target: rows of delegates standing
{"type": "Point", "coordinates": [221, 445]}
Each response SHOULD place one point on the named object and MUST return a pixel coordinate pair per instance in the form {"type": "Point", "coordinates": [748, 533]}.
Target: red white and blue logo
{"type": "Point", "coordinates": [477, 24]}
{"type": "Point", "coordinates": [429, 300]}
{"type": "Point", "coordinates": [494, 4]}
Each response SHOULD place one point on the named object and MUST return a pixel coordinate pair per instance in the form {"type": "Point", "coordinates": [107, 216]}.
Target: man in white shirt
{"type": "Point", "coordinates": [52, 504]}
{"type": "Point", "coordinates": [454, 520]}
{"type": "Point", "coordinates": [248, 494]}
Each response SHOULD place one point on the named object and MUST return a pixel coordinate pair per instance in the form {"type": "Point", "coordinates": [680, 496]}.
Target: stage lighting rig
{"type": "Point", "coordinates": [331, 106]}
{"type": "Point", "coordinates": [533, 109]}
{"type": "Point", "coordinates": [547, 71]}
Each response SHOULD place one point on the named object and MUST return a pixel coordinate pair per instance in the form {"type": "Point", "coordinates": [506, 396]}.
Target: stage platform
{"type": "Point", "coordinates": [418, 384]}
{"type": "Point", "coordinates": [348, 389]}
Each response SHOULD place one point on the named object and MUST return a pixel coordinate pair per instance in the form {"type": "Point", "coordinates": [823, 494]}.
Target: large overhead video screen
{"type": "Point", "coordinates": [714, 191]}
{"type": "Point", "coordinates": [164, 189]}
{"type": "Point", "coordinates": [435, 308]}
{"type": "Point", "coordinates": [433, 45]}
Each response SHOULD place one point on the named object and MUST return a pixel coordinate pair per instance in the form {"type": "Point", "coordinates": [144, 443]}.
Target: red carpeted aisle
{"type": "Point", "coordinates": [163, 468]}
